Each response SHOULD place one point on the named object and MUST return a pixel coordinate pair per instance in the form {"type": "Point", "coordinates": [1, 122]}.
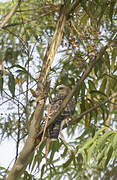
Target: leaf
{"type": "Point", "coordinates": [17, 80]}
{"type": "Point", "coordinates": [54, 147]}
{"type": "Point", "coordinates": [103, 139]}
{"type": "Point", "coordinates": [18, 66]}
{"type": "Point", "coordinates": [100, 155]}
{"type": "Point", "coordinates": [22, 70]}
{"type": "Point", "coordinates": [42, 170]}
{"type": "Point", "coordinates": [65, 152]}
{"type": "Point", "coordinates": [114, 55]}
{"type": "Point", "coordinates": [114, 141]}
{"type": "Point", "coordinates": [87, 144]}
{"type": "Point", "coordinates": [91, 85]}
{"type": "Point", "coordinates": [103, 85]}
{"type": "Point", "coordinates": [91, 140]}
{"type": "Point", "coordinates": [31, 160]}
{"type": "Point", "coordinates": [107, 60]}
{"type": "Point", "coordinates": [34, 162]}
{"type": "Point", "coordinates": [86, 116]}
{"type": "Point", "coordinates": [1, 81]}
{"type": "Point", "coordinates": [91, 150]}
{"type": "Point", "coordinates": [80, 159]}
{"type": "Point", "coordinates": [109, 154]}
{"type": "Point", "coordinates": [84, 20]}
{"type": "Point", "coordinates": [33, 92]}
{"type": "Point", "coordinates": [66, 164]}
{"type": "Point", "coordinates": [74, 158]}
{"type": "Point", "coordinates": [98, 92]}
{"type": "Point", "coordinates": [112, 4]}
{"type": "Point", "coordinates": [11, 84]}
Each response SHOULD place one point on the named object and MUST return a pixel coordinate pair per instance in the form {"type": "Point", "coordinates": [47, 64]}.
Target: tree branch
{"type": "Point", "coordinates": [56, 40]}
{"type": "Point", "coordinates": [11, 13]}
{"type": "Point", "coordinates": [92, 109]}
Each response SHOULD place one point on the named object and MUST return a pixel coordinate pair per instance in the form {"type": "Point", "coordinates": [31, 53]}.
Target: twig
{"type": "Point", "coordinates": [18, 135]}
{"type": "Point", "coordinates": [45, 127]}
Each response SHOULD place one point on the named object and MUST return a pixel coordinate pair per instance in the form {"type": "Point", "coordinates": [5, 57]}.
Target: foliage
{"type": "Point", "coordinates": [89, 151]}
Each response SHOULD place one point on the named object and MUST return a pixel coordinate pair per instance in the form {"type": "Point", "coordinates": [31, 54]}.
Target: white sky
{"type": "Point", "coordinates": [7, 153]}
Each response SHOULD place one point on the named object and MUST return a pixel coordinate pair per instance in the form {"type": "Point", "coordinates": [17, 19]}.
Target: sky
{"type": "Point", "coordinates": [7, 153]}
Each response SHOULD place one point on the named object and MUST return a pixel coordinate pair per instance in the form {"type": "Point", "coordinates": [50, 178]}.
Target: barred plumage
{"type": "Point", "coordinates": [54, 129]}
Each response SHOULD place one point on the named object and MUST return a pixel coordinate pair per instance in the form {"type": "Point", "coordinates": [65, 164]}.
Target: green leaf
{"type": "Point", "coordinates": [91, 140]}
{"type": "Point", "coordinates": [103, 139]}
{"type": "Point", "coordinates": [98, 92]}
{"type": "Point", "coordinates": [22, 70]}
{"type": "Point", "coordinates": [67, 163]}
{"type": "Point", "coordinates": [11, 84]}
{"type": "Point", "coordinates": [87, 144]}
{"type": "Point", "coordinates": [100, 155]}
{"type": "Point", "coordinates": [114, 55]}
{"type": "Point", "coordinates": [79, 159]}
{"type": "Point", "coordinates": [103, 85]}
{"type": "Point", "coordinates": [65, 152]}
{"type": "Point", "coordinates": [114, 141]}
{"type": "Point", "coordinates": [107, 60]}
{"type": "Point", "coordinates": [1, 81]}
{"type": "Point", "coordinates": [84, 19]}
{"type": "Point", "coordinates": [31, 160]}
{"type": "Point", "coordinates": [42, 170]}
{"type": "Point", "coordinates": [54, 147]}
{"type": "Point", "coordinates": [108, 155]}
{"type": "Point", "coordinates": [91, 150]}
{"type": "Point", "coordinates": [112, 4]}
{"type": "Point", "coordinates": [91, 85]}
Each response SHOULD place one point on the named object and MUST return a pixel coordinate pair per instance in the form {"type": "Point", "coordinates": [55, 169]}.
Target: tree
{"type": "Point", "coordinates": [66, 42]}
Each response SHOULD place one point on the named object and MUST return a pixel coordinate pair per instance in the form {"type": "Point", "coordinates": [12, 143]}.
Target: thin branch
{"type": "Point", "coordinates": [92, 109]}
{"type": "Point", "coordinates": [73, 6]}
{"type": "Point", "coordinates": [18, 134]}
{"type": "Point", "coordinates": [45, 127]}
{"type": "Point", "coordinates": [11, 13]}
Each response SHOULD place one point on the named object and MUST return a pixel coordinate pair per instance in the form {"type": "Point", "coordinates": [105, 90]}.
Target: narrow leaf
{"type": "Point", "coordinates": [66, 164]}
{"type": "Point", "coordinates": [11, 84]}
{"type": "Point", "coordinates": [1, 81]}
{"type": "Point", "coordinates": [109, 154]}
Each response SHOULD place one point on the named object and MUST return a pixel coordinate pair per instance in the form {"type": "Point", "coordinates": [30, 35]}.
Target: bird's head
{"type": "Point", "coordinates": [62, 89]}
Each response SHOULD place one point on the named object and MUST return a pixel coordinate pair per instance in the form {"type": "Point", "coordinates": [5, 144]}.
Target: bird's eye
{"type": "Point", "coordinates": [60, 88]}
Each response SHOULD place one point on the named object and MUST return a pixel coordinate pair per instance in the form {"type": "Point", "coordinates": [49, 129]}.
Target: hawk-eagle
{"type": "Point", "coordinates": [54, 129]}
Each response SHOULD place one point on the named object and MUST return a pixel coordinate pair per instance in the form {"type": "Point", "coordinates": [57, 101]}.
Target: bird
{"type": "Point", "coordinates": [54, 129]}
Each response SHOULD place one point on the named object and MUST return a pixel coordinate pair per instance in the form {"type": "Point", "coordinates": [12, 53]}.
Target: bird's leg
{"type": "Point", "coordinates": [66, 121]}
{"type": "Point", "coordinates": [61, 134]}
{"type": "Point", "coordinates": [62, 137]}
